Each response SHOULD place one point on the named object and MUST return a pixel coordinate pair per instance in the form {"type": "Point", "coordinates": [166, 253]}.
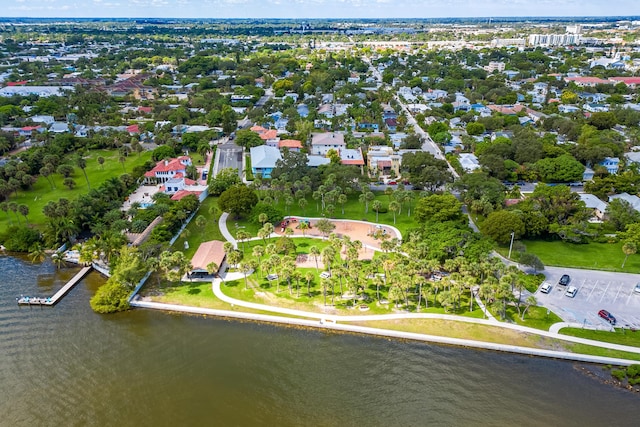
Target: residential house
{"type": "Point", "coordinates": [303, 110]}
{"type": "Point", "coordinates": [586, 81]}
{"type": "Point", "coordinates": [315, 161]}
{"type": "Point", "coordinates": [568, 109]}
{"type": "Point", "coordinates": [633, 157]}
{"type": "Point", "coordinates": [469, 162]}
{"type": "Point", "coordinates": [388, 112]}
{"type": "Point", "coordinates": [595, 108]}
{"type": "Point", "coordinates": [633, 200]}
{"type": "Point", "coordinates": [290, 144]}
{"type": "Point", "coordinates": [46, 120]}
{"type": "Point", "coordinates": [164, 170]}
{"type": "Point", "coordinates": [321, 143]}
{"type": "Point", "coordinates": [59, 127]}
{"type": "Point", "coordinates": [612, 164]}
{"type": "Point", "coordinates": [392, 124]}
{"type": "Point", "coordinates": [592, 202]}
{"type": "Point", "coordinates": [368, 126]}
{"type": "Point", "coordinates": [435, 94]}
{"type": "Point", "coordinates": [382, 160]}
{"type": "Point", "coordinates": [264, 159]}
{"type": "Point", "coordinates": [351, 156]}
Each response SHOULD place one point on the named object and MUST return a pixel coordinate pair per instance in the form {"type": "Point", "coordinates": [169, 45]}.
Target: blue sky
{"type": "Point", "coordinates": [315, 8]}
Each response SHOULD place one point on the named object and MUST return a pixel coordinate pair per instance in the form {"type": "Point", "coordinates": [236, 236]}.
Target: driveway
{"type": "Point", "coordinates": [229, 156]}
{"type": "Point", "coordinates": [597, 290]}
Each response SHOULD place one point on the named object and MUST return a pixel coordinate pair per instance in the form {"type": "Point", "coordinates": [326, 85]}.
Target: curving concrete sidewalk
{"type": "Point", "coordinates": [492, 321]}
{"type": "Point", "coordinates": [217, 291]}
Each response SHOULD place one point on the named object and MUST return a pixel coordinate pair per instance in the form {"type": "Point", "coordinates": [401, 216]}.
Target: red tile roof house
{"type": "Point", "coordinates": [291, 144]}
{"type": "Point", "coordinates": [168, 169]}
{"type": "Point", "coordinates": [587, 81]}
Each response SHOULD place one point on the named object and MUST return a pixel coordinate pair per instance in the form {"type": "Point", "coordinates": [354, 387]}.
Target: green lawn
{"type": "Point", "coordinates": [623, 337]}
{"type": "Point", "coordinates": [41, 193]}
{"type": "Point", "coordinates": [353, 209]}
{"type": "Point", "coordinates": [596, 256]}
{"type": "Point", "coordinates": [535, 317]}
{"type": "Point", "coordinates": [196, 235]}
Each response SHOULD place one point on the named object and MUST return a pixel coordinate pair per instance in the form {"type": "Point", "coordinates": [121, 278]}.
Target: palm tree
{"type": "Point", "coordinates": [529, 301]}
{"type": "Point", "coordinates": [629, 248]}
{"type": "Point", "coordinates": [303, 204]}
{"type": "Point", "coordinates": [82, 164]}
{"type": "Point", "coordinates": [246, 268]}
{"type": "Point", "coordinates": [342, 199]}
{"type": "Point", "coordinates": [46, 171]}
{"type": "Point", "coordinates": [394, 207]}
{"type": "Point", "coordinates": [37, 253]}
{"type": "Point", "coordinates": [328, 254]}
{"type": "Point", "coordinates": [24, 211]}
{"type": "Point", "coordinates": [303, 226]}
{"type": "Point", "coordinates": [315, 252]}
{"type": "Point", "coordinates": [376, 205]}
{"type": "Point", "coordinates": [258, 252]}
{"type": "Point", "coordinates": [212, 268]}
{"type": "Point", "coordinates": [4, 206]}
{"type": "Point", "coordinates": [308, 276]}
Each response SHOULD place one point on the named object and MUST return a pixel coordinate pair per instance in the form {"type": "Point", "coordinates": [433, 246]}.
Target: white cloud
{"type": "Point", "coordinates": [319, 8]}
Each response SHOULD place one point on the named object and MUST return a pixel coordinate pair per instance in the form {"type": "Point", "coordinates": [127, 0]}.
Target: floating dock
{"type": "Point", "coordinates": [58, 295]}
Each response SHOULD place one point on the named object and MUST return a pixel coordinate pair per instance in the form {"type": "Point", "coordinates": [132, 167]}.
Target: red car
{"type": "Point", "coordinates": [607, 316]}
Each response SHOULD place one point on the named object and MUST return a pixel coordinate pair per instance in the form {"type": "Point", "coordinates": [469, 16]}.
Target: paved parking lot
{"type": "Point", "coordinates": [597, 290]}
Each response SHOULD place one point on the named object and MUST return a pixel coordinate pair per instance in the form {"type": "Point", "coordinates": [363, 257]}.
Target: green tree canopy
{"type": "Point", "coordinates": [500, 224]}
{"type": "Point", "coordinates": [439, 208]}
{"type": "Point", "coordinates": [238, 200]}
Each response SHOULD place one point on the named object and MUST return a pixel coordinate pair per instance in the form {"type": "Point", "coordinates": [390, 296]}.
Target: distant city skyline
{"type": "Point", "coordinates": [311, 9]}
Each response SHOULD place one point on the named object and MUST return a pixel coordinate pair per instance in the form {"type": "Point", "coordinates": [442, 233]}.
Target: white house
{"type": "Point", "coordinates": [321, 143]}
{"type": "Point", "coordinates": [592, 202]}
{"type": "Point", "coordinates": [469, 162]}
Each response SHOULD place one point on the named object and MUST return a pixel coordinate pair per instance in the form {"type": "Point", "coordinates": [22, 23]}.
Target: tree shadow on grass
{"type": "Point", "coordinates": [194, 291]}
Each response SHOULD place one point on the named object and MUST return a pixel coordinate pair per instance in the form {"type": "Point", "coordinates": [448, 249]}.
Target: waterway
{"type": "Point", "coordinates": [66, 366]}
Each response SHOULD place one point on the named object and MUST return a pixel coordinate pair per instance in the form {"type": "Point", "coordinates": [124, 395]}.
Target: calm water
{"type": "Point", "coordinates": [66, 366]}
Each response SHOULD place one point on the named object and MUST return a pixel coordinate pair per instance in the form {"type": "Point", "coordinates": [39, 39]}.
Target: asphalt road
{"type": "Point", "coordinates": [230, 157]}
{"type": "Point", "coordinates": [597, 290]}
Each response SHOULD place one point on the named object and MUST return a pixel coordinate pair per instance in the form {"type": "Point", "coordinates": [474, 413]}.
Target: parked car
{"type": "Point", "coordinates": [545, 288]}
{"type": "Point", "coordinates": [607, 316]}
{"type": "Point", "coordinates": [571, 291]}
{"type": "Point", "coordinates": [325, 275]}
{"type": "Point", "coordinates": [564, 280]}
{"type": "Point", "coordinates": [637, 288]}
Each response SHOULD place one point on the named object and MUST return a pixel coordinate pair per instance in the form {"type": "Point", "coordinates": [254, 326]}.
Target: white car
{"type": "Point", "coordinates": [637, 288]}
{"type": "Point", "coordinates": [545, 288]}
{"type": "Point", "coordinates": [571, 291]}
{"type": "Point", "coordinates": [325, 275]}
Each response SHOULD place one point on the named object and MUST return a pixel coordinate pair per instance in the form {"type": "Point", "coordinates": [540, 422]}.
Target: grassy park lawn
{"type": "Point", "coordinates": [595, 256]}
{"type": "Point", "coordinates": [196, 235]}
{"type": "Point", "coordinates": [353, 209]}
{"type": "Point", "coordinates": [535, 317]}
{"type": "Point", "coordinates": [493, 334]}
{"type": "Point", "coordinates": [41, 193]}
{"type": "Point", "coordinates": [260, 290]}
{"type": "Point", "coordinates": [620, 336]}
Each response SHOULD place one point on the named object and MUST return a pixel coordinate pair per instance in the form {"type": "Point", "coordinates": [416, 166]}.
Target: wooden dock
{"type": "Point", "coordinates": [58, 295]}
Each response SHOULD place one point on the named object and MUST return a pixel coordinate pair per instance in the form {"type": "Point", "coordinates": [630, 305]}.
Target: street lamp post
{"type": "Point", "coordinates": [513, 233]}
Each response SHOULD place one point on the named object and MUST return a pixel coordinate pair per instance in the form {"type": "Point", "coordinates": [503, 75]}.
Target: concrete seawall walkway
{"type": "Point", "coordinates": [217, 291]}
{"type": "Point", "coordinates": [384, 333]}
